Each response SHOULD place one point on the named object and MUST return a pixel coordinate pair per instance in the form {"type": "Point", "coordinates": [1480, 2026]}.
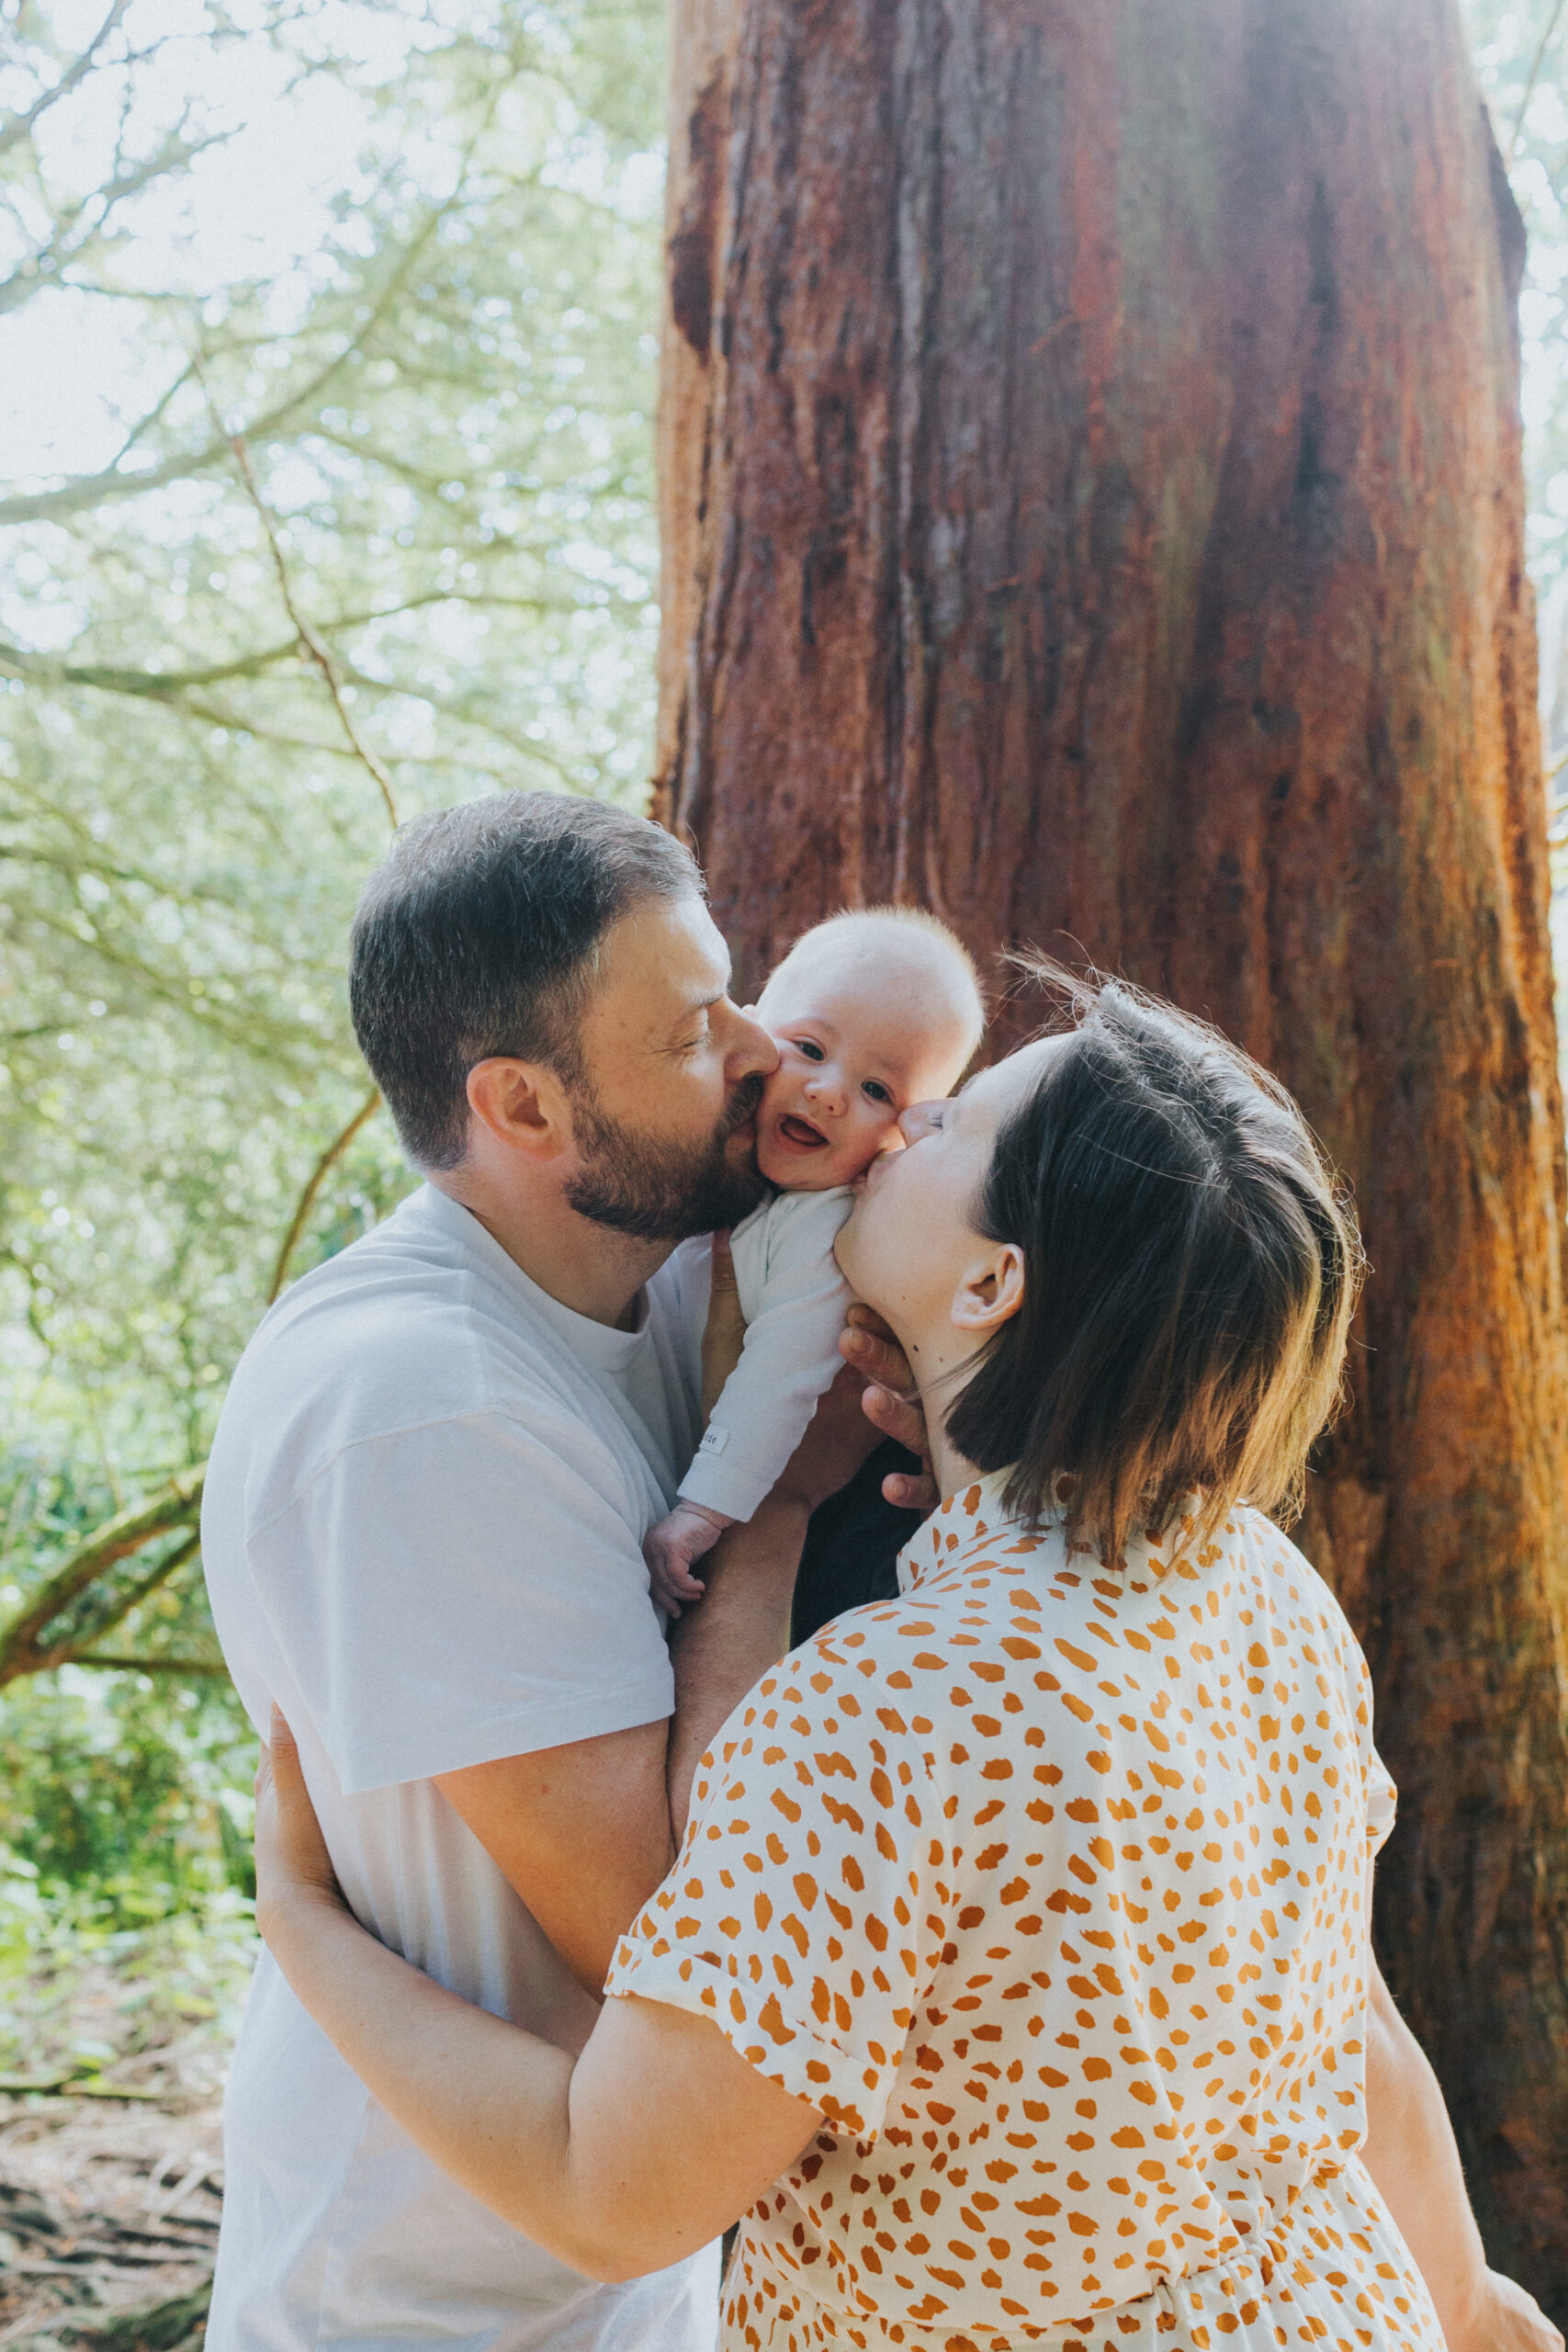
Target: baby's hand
{"type": "Point", "coordinates": [670, 1547]}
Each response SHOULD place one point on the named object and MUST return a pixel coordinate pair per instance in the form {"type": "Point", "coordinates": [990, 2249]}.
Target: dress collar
{"type": "Point", "coordinates": [976, 1514]}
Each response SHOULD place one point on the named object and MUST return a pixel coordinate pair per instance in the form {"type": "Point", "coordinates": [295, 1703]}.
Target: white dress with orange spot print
{"type": "Point", "coordinates": [1045, 1884]}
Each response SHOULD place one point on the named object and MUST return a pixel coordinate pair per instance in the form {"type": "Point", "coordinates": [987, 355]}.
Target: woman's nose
{"type": "Point", "coordinates": [919, 1119]}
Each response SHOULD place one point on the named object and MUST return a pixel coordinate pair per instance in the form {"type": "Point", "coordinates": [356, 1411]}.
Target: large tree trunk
{"type": "Point", "coordinates": [1092, 507]}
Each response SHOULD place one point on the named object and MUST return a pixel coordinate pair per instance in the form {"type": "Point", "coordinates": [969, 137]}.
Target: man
{"type": "Point", "coordinates": [422, 1537]}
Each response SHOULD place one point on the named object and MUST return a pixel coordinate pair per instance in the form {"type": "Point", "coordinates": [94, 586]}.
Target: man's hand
{"type": "Point", "coordinates": [581, 1832]}
{"type": "Point", "coordinates": [890, 1403]}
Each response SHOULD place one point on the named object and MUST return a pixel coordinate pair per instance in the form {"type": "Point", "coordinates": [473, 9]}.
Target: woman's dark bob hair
{"type": "Point", "coordinates": [1191, 1266]}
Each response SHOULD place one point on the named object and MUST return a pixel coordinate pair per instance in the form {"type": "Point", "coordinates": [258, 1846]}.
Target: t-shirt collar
{"type": "Point", "coordinates": [593, 1343]}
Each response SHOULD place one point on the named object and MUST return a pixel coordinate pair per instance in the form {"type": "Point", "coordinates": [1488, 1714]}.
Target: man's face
{"type": "Point", "coordinates": [663, 1121]}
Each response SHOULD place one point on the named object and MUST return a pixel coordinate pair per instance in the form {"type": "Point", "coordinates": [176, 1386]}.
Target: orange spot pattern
{"type": "Point", "coordinates": [1046, 1885]}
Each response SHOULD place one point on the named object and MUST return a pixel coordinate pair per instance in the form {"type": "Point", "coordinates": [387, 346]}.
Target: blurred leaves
{"type": "Point", "coordinates": [445, 394]}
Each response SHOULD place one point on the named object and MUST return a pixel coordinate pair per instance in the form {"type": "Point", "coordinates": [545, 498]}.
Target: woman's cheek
{"type": "Point", "coordinates": [869, 1248]}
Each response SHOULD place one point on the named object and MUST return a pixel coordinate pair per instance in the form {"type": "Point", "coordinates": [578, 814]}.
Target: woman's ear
{"type": "Point", "coordinates": [991, 1290]}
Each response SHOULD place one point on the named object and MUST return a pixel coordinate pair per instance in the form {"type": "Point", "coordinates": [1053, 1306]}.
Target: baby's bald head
{"type": "Point", "coordinates": [872, 1012]}
{"type": "Point", "coordinates": [898, 951]}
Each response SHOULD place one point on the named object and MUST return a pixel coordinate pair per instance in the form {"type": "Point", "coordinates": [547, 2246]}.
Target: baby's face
{"type": "Point", "coordinates": [859, 1039]}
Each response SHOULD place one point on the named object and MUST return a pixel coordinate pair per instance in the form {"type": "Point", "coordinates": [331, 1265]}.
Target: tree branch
{"type": "Point", "coordinates": [68, 1652]}
{"type": "Point", "coordinates": [74, 238]}
{"type": "Point", "coordinates": [18, 126]}
{"type": "Point", "coordinates": [1539, 59]}
{"type": "Point", "coordinates": [310, 637]}
{"type": "Point", "coordinates": [313, 1184]}
{"type": "Point", "coordinates": [113, 482]}
{"type": "Point", "coordinates": [156, 1665]}
{"type": "Point", "coordinates": [177, 1505]}
{"type": "Point", "coordinates": [151, 686]}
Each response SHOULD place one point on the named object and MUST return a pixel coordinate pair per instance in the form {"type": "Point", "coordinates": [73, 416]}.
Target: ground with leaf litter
{"type": "Point", "coordinates": [111, 2172]}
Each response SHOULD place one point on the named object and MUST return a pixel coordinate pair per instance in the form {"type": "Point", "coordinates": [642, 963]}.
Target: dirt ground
{"type": "Point", "coordinates": [108, 2221]}
{"type": "Point", "coordinates": [111, 2150]}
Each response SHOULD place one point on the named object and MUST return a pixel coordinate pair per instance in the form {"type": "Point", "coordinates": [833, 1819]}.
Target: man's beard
{"type": "Point", "coordinates": [662, 1192]}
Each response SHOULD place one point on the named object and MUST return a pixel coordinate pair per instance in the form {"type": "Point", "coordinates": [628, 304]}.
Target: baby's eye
{"type": "Point", "coordinates": [876, 1092]}
{"type": "Point", "coordinates": [810, 1048]}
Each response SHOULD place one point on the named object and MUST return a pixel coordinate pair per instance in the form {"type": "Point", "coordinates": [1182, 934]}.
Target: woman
{"type": "Point", "coordinates": [1015, 1973]}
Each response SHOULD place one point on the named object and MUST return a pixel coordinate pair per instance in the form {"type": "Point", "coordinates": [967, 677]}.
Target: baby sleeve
{"type": "Point", "coordinates": [790, 1356]}
{"type": "Point", "coordinates": [806, 1914]}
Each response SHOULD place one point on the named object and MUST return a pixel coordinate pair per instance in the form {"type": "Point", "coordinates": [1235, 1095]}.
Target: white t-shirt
{"type": "Point", "coordinates": [794, 1301]}
{"type": "Point", "coordinates": [422, 1537]}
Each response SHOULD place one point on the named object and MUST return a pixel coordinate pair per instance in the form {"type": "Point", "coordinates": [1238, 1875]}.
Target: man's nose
{"type": "Point", "coordinates": [750, 1049]}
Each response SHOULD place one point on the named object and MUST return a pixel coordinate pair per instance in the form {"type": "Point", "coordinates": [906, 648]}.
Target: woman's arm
{"type": "Point", "coordinates": [1411, 2155]}
{"type": "Point", "coordinates": [619, 2162]}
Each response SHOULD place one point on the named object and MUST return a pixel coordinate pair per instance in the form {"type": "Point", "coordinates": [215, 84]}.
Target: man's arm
{"type": "Point", "coordinates": [581, 1832]}
{"type": "Point", "coordinates": [642, 2153]}
{"type": "Point", "coordinates": [585, 1832]}
{"type": "Point", "coordinates": [742, 1628]}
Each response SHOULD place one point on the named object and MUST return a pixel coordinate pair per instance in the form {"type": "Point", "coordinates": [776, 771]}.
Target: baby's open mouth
{"type": "Point", "coordinates": [801, 1133]}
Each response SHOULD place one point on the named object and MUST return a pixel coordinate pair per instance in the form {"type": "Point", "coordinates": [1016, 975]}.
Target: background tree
{"type": "Point", "coordinates": [1092, 507]}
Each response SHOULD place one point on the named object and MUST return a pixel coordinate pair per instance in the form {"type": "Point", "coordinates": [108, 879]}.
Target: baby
{"type": "Point", "coordinates": [870, 1012]}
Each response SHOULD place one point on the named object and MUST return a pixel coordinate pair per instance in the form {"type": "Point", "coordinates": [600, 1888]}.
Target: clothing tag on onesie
{"type": "Point", "coordinates": [715, 1440]}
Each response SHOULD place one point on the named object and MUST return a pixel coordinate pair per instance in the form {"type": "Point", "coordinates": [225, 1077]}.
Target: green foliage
{"type": "Point", "coordinates": [447, 408]}
{"type": "Point", "coordinates": [443, 392]}
{"type": "Point", "coordinates": [134, 1794]}
{"type": "Point", "coordinates": [95, 1985]}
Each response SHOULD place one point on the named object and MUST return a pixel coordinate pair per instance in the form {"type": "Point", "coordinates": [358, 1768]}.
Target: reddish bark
{"type": "Point", "coordinates": [1092, 506]}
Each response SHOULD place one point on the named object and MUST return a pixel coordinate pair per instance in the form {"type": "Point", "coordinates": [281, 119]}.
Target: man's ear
{"type": "Point", "coordinates": [522, 1105]}
{"type": "Point", "coordinates": [991, 1291]}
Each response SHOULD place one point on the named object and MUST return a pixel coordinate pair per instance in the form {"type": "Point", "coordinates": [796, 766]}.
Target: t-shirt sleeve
{"type": "Point", "coordinates": [447, 1595]}
{"type": "Point", "coordinates": [808, 1912]}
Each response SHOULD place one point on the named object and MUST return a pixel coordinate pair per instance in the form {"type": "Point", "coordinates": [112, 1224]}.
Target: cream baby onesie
{"type": "Point", "coordinates": [794, 1299]}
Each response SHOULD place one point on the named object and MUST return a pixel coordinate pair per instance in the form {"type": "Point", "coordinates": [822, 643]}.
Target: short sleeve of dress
{"type": "Point", "coordinates": [808, 1912]}
{"type": "Point", "coordinates": [1381, 1795]}
{"type": "Point", "coordinates": [1382, 1800]}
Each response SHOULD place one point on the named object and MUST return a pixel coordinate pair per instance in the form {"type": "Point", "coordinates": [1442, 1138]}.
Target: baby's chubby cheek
{"type": "Point", "coordinates": [779, 1087]}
